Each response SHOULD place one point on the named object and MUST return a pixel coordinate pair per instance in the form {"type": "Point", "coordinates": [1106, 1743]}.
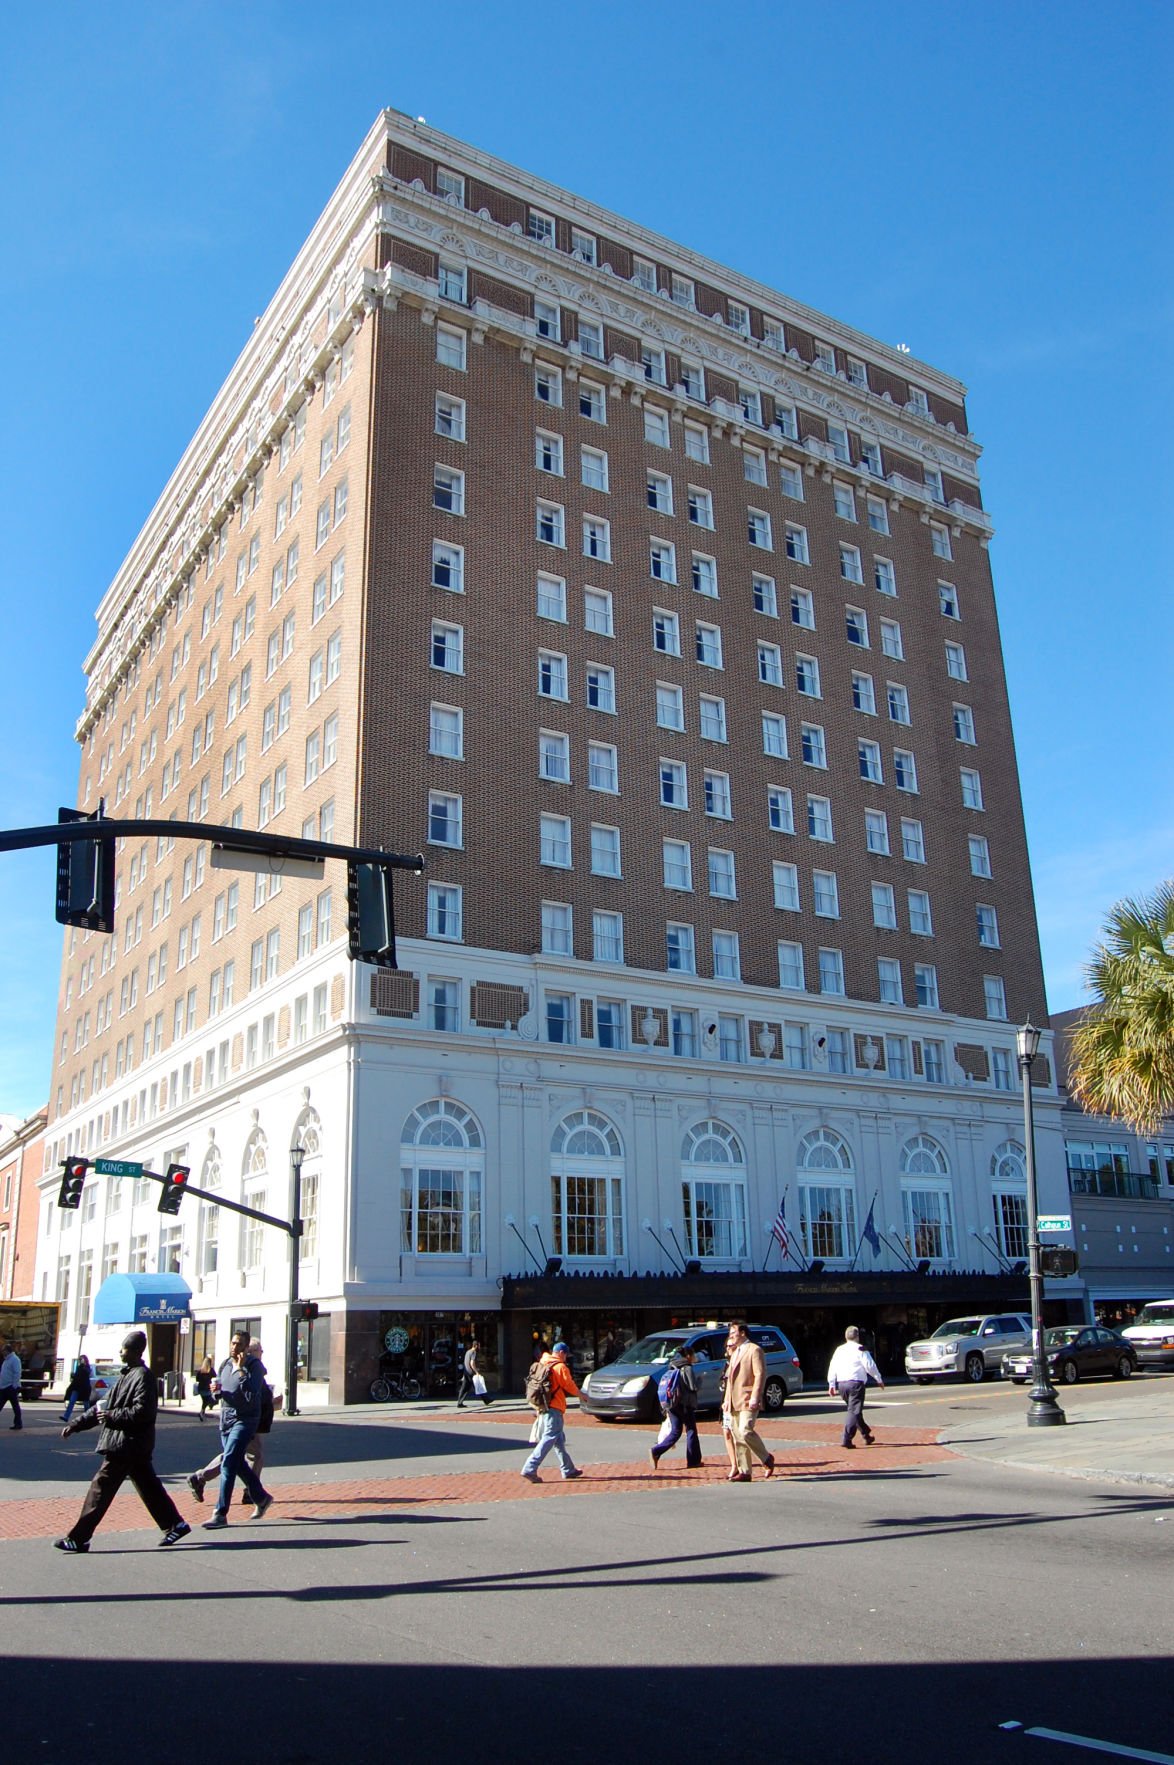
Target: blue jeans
{"type": "Point", "coordinates": [233, 1464]}
{"type": "Point", "coordinates": [670, 1433]}
{"type": "Point", "coordinates": [551, 1438]}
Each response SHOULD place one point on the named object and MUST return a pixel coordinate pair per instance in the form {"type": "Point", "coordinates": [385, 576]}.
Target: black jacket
{"type": "Point", "coordinates": [128, 1425]}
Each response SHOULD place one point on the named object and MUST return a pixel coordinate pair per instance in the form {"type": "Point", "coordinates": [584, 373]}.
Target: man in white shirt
{"type": "Point", "coordinates": [850, 1372]}
{"type": "Point", "coordinates": [10, 1371]}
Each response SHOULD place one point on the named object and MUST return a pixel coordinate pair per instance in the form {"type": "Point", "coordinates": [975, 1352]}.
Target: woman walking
{"type": "Point", "coordinates": [80, 1387]}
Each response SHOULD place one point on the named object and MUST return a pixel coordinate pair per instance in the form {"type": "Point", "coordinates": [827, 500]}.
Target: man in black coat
{"type": "Point", "coordinates": [127, 1445]}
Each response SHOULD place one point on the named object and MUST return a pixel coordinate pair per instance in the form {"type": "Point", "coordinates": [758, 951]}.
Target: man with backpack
{"type": "Point", "coordinates": [677, 1391]}
{"type": "Point", "coordinates": [548, 1385]}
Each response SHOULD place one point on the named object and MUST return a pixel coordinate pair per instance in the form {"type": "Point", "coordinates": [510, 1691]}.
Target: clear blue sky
{"type": "Point", "coordinates": [989, 184]}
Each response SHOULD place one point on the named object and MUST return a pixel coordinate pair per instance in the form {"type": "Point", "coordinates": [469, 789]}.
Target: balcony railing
{"type": "Point", "coordinates": [1131, 1185]}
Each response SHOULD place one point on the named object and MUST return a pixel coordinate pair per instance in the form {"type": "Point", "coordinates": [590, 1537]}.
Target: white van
{"type": "Point", "coordinates": [1152, 1333]}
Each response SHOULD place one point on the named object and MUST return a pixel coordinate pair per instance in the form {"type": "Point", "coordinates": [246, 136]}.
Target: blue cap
{"type": "Point", "coordinates": [560, 1348]}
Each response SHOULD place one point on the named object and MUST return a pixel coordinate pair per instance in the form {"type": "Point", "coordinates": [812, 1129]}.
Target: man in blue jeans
{"type": "Point", "coordinates": [240, 1387]}
{"type": "Point", "coordinates": [550, 1423]}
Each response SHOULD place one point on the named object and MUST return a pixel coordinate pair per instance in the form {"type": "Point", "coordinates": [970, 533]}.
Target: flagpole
{"type": "Point", "coordinates": [867, 1217]}
{"type": "Point", "coordinates": [771, 1230]}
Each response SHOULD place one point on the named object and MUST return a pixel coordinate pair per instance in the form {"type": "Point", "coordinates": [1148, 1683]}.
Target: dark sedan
{"type": "Point", "coordinates": [1076, 1351]}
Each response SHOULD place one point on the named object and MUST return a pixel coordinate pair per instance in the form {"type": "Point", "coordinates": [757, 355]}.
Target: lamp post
{"type": "Point", "coordinates": [1043, 1410]}
{"type": "Point", "coordinates": [296, 1155]}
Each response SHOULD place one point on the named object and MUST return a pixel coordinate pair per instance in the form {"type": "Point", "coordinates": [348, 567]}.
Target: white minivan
{"type": "Point", "coordinates": [1152, 1333]}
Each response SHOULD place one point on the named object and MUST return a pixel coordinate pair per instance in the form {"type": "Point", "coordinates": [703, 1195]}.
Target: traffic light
{"type": "Point", "coordinates": [174, 1185]}
{"type": "Point", "coordinates": [370, 915]}
{"type": "Point", "coordinates": [73, 1181]}
{"type": "Point", "coordinates": [85, 877]}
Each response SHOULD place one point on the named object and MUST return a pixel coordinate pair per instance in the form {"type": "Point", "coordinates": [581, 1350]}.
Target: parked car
{"type": "Point", "coordinates": [1152, 1333]}
{"type": "Point", "coordinates": [627, 1387]}
{"type": "Point", "coordinates": [1075, 1351]}
{"type": "Point", "coordinates": [105, 1377]}
{"type": "Point", "coordinates": [967, 1347]}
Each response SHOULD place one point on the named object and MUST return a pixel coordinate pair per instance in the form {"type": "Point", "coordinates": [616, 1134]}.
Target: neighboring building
{"type": "Point", "coordinates": [657, 609]}
{"type": "Point", "coordinates": [22, 1158]}
{"type": "Point", "coordinates": [1122, 1200]}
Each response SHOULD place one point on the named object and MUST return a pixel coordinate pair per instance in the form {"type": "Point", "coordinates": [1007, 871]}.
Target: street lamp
{"type": "Point", "coordinates": [296, 1155]}
{"type": "Point", "coordinates": [1043, 1410]}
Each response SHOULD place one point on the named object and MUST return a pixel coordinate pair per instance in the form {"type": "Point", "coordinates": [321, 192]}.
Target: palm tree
{"type": "Point", "coordinates": [1123, 1050]}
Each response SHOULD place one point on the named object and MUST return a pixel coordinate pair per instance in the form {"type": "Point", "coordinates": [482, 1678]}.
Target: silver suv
{"type": "Point", "coordinates": [627, 1387]}
{"type": "Point", "coordinates": [969, 1348]}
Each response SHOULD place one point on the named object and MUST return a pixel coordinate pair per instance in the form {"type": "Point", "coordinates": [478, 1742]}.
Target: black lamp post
{"type": "Point", "coordinates": [1043, 1409]}
{"type": "Point", "coordinates": [296, 1156]}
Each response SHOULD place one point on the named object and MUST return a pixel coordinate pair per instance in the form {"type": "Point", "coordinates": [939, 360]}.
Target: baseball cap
{"type": "Point", "coordinates": [560, 1348]}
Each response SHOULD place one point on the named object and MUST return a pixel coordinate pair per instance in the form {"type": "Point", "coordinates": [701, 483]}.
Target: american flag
{"type": "Point", "coordinates": [779, 1230]}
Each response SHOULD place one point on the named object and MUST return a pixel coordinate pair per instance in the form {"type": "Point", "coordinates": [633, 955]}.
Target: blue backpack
{"type": "Point", "coordinates": [668, 1389]}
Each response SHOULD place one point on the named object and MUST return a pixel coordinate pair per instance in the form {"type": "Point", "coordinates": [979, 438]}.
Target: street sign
{"type": "Point", "coordinates": [1045, 1222]}
{"type": "Point", "coordinates": [117, 1167]}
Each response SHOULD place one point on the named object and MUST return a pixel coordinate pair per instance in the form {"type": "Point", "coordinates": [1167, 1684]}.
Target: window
{"type": "Point", "coordinates": [731, 1043]}
{"type": "Point", "coordinates": [780, 814]}
{"type": "Point", "coordinates": [891, 643]}
{"type": "Point", "coordinates": [583, 246]}
{"type": "Point", "coordinates": [758, 530]}
{"type": "Point", "coordinates": [697, 443]}
{"type": "Point", "coordinates": [826, 894]}
{"type": "Point", "coordinates": [451, 347]}
{"type": "Point", "coordinates": [878, 515]}
{"type": "Point", "coordinates": [448, 490]}
{"type": "Point", "coordinates": [548, 452]}
{"type": "Point", "coordinates": [547, 320]}
{"type": "Point", "coordinates": [819, 818]}
{"type": "Point", "coordinates": [870, 761]}
{"type": "Point", "coordinates": [609, 1023]}
{"type": "Point", "coordinates": [666, 632]}
{"type": "Point", "coordinates": [673, 791]}
{"type": "Point", "coordinates": [876, 831]}
{"type": "Point", "coordinates": [662, 560]}
{"type": "Point", "coordinates": [441, 1163]}
{"type": "Point", "coordinates": [552, 598]}
{"type": "Point", "coordinates": [607, 934]}
{"type": "Point", "coordinates": [602, 769]}
{"type": "Point", "coordinates": [856, 625]}
{"type": "Point", "coordinates": [884, 906]}
{"type": "Point", "coordinates": [980, 855]}
{"type": "Point", "coordinates": [754, 466]}
{"type": "Point", "coordinates": [831, 971]}
{"type": "Point", "coordinates": [550, 525]}
{"type": "Point", "coordinates": [448, 567]}
{"type": "Point", "coordinates": [796, 543]}
{"type": "Point", "coordinates": [660, 493]}
{"type": "Point", "coordinates": [956, 661]}
{"type": "Point", "coordinates": [593, 468]}
{"type": "Point", "coordinates": [548, 384]}
{"type": "Point", "coordinates": [592, 402]}
{"type": "Point", "coordinates": [727, 961]}
{"type": "Point", "coordinates": [713, 1192]}
{"type": "Point", "coordinates": [700, 507]}
{"type": "Point", "coordinates": [844, 501]}
{"type": "Point", "coordinates": [898, 702]}
{"type": "Point", "coordinates": [791, 967]}
{"type": "Point", "coordinates": [605, 850]}
{"type": "Point", "coordinates": [940, 540]}
{"type": "Point", "coordinates": [994, 995]}
{"type": "Point", "coordinates": [827, 1202]}
{"type": "Point", "coordinates": [557, 938]}
{"type": "Point", "coordinates": [721, 874]}
{"type": "Point", "coordinates": [770, 664]}
{"type": "Point", "coordinates": [814, 746]}
{"type": "Point", "coordinates": [1001, 1069]}
{"type": "Point", "coordinates": [988, 926]}
{"type": "Point", "coordinates": [971, 789]}
{"type": "Point", "coordinates": [738, 317]}
{"type": "Point", "coordinates": [851, 568]}
{"type": "Point", "coordinates": [446, 733]}
{"type": "Point", "coordinates": [601, 688]}
{"type": "Point", "coordinates": [451, 186]}
{"type": "Point", "coordinates": [920, 917]}
{"type": "Point", "coordinates": [786, 887]}
{"type": "Point", "coordinates": [644, 275]}
{"type": "Point", "coordinates": [656, 426]}
{"type": "Point", "coordinates": [904, 771]}
{"type": "Point", "coordinates": [670, 706]}
{"type": "Point", "coordinates": [703, 571]}
{"type": "Point", "coordinates": [680, 953]}
{"type": "Point", "coordinates": [825, 358]}
{"type": "Point", "coordinates": [453, 279]}
{"type": "Point", "coordinates": [693, 380]}
{"type": "Point", "coordinates": [912, 841]}
{"type": "Point", "coordinates": [948, 600]}
{"type": "Point", "coordinates": [555, 841]}
{"type": "Point", "coordinates": [444, 911]}
{"type": "Point", "coordinates": [864, 694]}
{"type": "Point", "coordinates": [448, 647]}
{"type": "Point", "coordinates": [897, 1057]}
{"type": "Point", "coordinates": [717, 795]}
{"type": "Point", "coordinates": [652, 361]}
{"type": "Point", "coordinates": [964, 724]}
{"type": "Point", "coordinates": [774, 735]}
{"type": "Point", "coordinates": [884, 576]}
{"type": "Point", "coordinates": [712, 713]}
{"type": "Point", "coordinates": [597, 539]}
{"type": "Point", "coordinates": [934, 483]}
{"type": "Point", "coordinates": [888, 974]}
{"type": "Point", "coordinates": [807, 676]}
{"type": "Point", "coordinates": [597, 611]}
{"type": "Point", "coordinates": [552, 675]}
{"type": "Point", "coordinates": [929, 1228]}
{"type": "Point", "coordinates": [554, 756]}
{"type": "Point", "coordinates": [678, 864]}
{"type": "Point", "coordinates": [444, 819]}
{"type": "Point", "coordinates": [591, 338]}
{"type": "Point", "coordinates": [791, 479]}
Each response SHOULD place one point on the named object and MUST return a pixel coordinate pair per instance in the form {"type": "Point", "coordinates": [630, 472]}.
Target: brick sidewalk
{"type": "Point", "coordinates": [814, 1452]}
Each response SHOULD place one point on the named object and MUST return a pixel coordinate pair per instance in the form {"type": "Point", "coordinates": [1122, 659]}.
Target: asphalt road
{"type": "Point", "coordinates": [882, 1615]}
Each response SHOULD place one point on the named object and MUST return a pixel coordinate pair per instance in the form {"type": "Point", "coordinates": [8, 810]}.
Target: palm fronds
{"type": "Point", "coordinates": [1123, 1051]}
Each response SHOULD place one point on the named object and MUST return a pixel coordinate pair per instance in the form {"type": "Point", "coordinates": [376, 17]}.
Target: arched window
{"type": "Point", "coordinates": [308, 1135]}
{"type": "Point", "coordinates": [208, 1247]}
{"type": "Point", "coordinates": [441, 1171]}
{"type": "Point", "coordinates": [827, 1197]}
{"type": "Point", "coordinates": [927, 1200]}
{"type": "Point", "coordinates": [587, 1187]}
{"type": "Point", "coordinates": [713, 1192]}
{"type": "Point", "coordinates": [1009, 1193]}
{"type": "Point", "coordinates": [255, 1173]}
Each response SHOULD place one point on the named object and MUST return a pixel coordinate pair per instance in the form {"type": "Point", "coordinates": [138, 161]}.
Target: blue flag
{"type": "Point", "coordinates": [869, 1234]}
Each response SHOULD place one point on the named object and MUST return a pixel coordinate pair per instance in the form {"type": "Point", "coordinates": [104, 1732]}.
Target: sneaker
{"type": "Point", "coordinates": [71, 1545]}
{"type": "Point", "coordinates": [531, 1477]}
{"type": "Point", "coordinates": [567, 1475]}
{"type": "Point", "coordinates": [216, 1524]}
{"type": "Point", "coordinates": [196, 1485]}
{"type": "Point", "coordinates": [178, 1531]}
{"type": "Point", "coordinates": [653, 1459]}
{"type": "Point", "coordinates": [262, 1508]}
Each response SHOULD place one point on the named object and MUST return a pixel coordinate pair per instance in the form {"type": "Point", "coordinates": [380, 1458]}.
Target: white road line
{"type": "Point", "coordinates": [1101, 1746]}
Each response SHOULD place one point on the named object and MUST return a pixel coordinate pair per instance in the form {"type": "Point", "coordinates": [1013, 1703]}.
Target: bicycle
{"type": "Point", "coordinates": [398, 1385]}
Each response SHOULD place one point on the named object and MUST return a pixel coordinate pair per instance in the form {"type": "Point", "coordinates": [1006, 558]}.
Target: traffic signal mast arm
{"type": "Point", "coordinates": [75, 1172]}
{"type": "Point", "coordinates": [243, 839]}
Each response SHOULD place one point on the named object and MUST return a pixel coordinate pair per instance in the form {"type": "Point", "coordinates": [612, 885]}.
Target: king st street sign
{"type": "Point", "coordinates": [117, 1167]}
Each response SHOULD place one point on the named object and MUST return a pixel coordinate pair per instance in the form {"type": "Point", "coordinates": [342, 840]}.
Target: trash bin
{"type": "Point", "coordinates": [173, 1387]}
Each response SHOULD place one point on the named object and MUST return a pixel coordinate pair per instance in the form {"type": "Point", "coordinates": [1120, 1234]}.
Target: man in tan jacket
{"type": "Point", "coordinates": [745, 1378]}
